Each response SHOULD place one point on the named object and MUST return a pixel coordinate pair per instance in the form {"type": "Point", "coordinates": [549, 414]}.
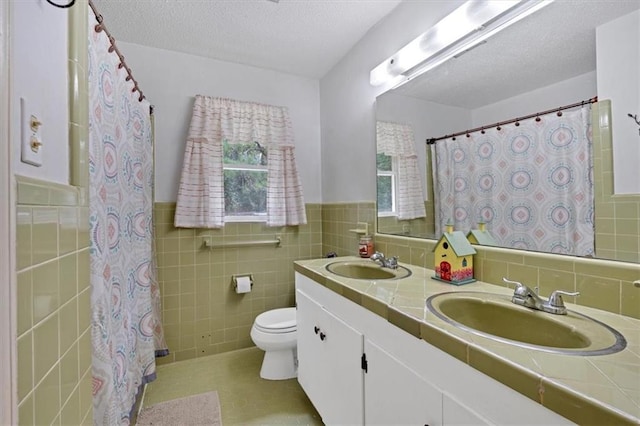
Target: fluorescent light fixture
{"type": "Point", "coordinates": [461, 30]}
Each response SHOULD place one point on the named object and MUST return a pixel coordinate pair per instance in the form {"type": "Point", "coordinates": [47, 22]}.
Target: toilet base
{"type": "Point", "coordinates": [279, 365]}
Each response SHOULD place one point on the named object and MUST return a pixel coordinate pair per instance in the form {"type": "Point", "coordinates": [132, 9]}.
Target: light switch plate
{"type": "Point", "coordinates": [31, 140]}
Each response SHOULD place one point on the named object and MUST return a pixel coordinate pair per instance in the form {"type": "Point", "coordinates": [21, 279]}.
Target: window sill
{"type": "Point", "coordinates": [387, 214]}
{"type": "Point", "coordinates": [245, 219]}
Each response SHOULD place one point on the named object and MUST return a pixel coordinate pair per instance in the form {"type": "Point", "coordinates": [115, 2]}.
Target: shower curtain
{"type": "Point", "coordinates": [126, 331]}
{"type": "Point", "coordinates": [530, 184]}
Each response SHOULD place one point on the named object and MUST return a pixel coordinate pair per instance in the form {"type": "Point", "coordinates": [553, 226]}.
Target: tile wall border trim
{"type": "Point", "coordinates": [32, 191]}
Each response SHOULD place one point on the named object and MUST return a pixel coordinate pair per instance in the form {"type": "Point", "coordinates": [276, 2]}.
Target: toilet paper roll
{"type": "Point", "coordinates": [243, 284]}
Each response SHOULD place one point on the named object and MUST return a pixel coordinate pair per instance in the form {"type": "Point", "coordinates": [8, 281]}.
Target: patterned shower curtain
{"type": "Point", "coordinates": [126, 331]}
{"type": "Point", "coordinates": [530, 184]}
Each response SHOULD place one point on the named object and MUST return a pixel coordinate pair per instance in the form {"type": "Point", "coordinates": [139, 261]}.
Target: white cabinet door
{"type": "Point", "coordinates": [454, 413]}
{"type": "Point", "coordinates": [329, 363]}
{"type": "Point", "coordinates": [395, 394]}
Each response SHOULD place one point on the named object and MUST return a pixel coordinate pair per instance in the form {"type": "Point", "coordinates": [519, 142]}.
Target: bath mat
{"type": "Point", "coordinates": [202, 409]}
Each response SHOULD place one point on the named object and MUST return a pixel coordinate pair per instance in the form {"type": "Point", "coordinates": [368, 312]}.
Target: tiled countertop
{"type": "Point", "coordinates": [603, 389]}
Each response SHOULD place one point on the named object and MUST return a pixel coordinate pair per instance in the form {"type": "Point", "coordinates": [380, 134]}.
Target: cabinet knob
{"type": "Point", "coordinates": [323, 336]}
{"type": "Point", "coordinates": [316, 329]}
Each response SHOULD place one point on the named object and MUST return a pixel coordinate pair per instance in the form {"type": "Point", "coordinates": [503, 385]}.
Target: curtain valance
{"type": "Point", "coordinates": [240, 122]}
{"type": "Point", "coordinates": [395, 139]}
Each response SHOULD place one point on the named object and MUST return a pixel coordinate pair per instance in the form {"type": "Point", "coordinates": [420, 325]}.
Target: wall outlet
{"type": "Point", "coordinates": [31, 135]}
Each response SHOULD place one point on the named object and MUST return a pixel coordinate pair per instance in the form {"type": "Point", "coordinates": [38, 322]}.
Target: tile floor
{"type": "Point", "coordinates": [245, 398]}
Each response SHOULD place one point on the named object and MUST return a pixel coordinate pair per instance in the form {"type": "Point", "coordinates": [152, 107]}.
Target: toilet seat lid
{"type": "Point", "coordinates": [283, 319]}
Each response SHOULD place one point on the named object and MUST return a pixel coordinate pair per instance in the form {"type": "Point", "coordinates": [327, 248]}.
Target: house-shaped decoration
{"type": "Point", "coordinates": [454, 258]}
{"type": "Point", "coordinates": [481, 236]}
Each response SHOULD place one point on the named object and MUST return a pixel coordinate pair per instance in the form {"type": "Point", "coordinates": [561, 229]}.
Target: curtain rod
{"type": "Point", "coordinates": [100, 26]}
{"type": "Point", "coordinates": [537, 115]}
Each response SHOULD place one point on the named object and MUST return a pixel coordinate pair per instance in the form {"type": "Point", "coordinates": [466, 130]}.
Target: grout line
{"type": "Point", "coordinates": [53, 259]}
{"type": "Point", "coordinates": [57, 363]}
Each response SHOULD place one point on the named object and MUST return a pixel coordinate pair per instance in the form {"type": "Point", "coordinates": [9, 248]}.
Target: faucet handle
{"type": "Point", "coordinates": [517, 283]}
{"type": "Point", "coordinates": [555, 299]}
{"type": "Point", "coordinates": [520, 289]}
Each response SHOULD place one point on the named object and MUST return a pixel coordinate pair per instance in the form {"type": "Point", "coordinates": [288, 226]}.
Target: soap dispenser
{"type": "Point", "coordinates": [366, 246]}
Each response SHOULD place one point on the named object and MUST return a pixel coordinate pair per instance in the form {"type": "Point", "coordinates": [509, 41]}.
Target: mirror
{"type": "Point", "coordinates": [545, 61]}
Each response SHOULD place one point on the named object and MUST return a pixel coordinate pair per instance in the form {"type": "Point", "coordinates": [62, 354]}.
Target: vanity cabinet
{"type": "Point", "coordinates": [395, 394]}
{"type": "Point", "coordinates": [351, 380]}
{"type": "Point", "coordinates": [455, 413]}
{"type": "Point", "coordinates": [329, 363]}
{"type": "Point", "coordinates": [366, 370]}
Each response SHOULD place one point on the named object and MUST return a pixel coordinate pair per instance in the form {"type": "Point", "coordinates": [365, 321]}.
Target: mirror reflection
{"type": "Point", "coordinates": [537, 169]}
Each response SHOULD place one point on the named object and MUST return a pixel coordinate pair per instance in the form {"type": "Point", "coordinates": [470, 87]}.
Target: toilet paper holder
{"type": "Point", "coordinates": [235, 277]}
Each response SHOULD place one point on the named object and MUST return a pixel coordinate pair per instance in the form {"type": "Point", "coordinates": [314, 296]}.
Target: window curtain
{"type": "Point", "coordinates": [200, 201]}
{"type": "Point", "coordinates": [126, 328]}
{"type": "Point", "coordinates": [530, 184]}
{"type": "Point", "coordinates": [397, 140]}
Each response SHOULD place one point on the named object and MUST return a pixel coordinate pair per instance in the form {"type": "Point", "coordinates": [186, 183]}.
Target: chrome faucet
{"type": "Point", "coordinates": [379, 258]}
{"type": "Point", "coordinates": [524, 296]}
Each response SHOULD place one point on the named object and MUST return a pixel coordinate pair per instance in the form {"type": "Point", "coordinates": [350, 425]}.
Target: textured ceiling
{"type": "Point", "coordinates": [308, 37]}
{"type": "Point", "coordinates": [302, 37]}
{"type": "Point", "coordinates": [554, 44]}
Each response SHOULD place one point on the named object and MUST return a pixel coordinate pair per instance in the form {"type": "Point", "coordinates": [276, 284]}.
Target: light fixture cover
{"type": "Point", "coordinates": [461, 30]}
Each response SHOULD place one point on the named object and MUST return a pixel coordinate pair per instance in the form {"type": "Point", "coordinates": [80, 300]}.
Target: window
{"type": "Point", "coordinates": [386, 185]}
{"type": "Point", "coordinates": [226, 176]}
{"type": "Point", "coordinates": [245, 181]}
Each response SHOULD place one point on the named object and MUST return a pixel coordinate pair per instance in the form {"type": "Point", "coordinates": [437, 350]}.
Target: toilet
{"type": "Point", "coordinates": [275, 332]}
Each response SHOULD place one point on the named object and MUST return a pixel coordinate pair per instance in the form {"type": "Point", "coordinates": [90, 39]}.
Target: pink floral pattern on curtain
{"type": "Point", "coordinates": [200, 202]}
{"type": "Point", "coordinates": [531, 184]}
{"type": "Point", "coordinates": [126, 328]}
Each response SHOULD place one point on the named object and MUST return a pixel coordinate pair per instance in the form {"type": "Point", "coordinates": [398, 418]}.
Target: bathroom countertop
{"type": "Point", "coordinates": [603, 389]}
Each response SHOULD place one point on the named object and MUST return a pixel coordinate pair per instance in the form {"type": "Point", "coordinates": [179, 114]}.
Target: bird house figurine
{"type": "Point", "coordinates": [481, 236]}
{"type": "Point", "coordinates": [454, 258]}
